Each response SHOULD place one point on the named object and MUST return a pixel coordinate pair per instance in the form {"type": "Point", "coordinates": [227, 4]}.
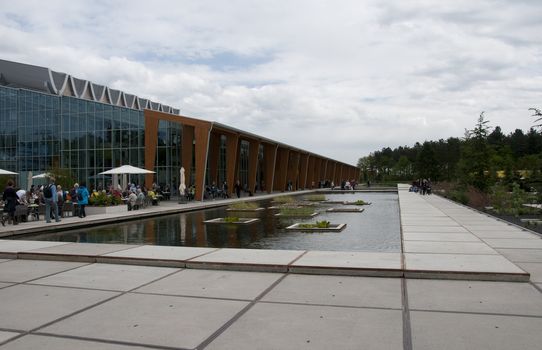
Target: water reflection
{"type": "Point", "coordinates": [376, 229]}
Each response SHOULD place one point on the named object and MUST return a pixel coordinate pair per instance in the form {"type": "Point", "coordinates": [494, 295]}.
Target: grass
{"type": "Point", "coordinates": [315, 198]}
{"type": "Point", "coordinates": [360, 202]}
{"type": "Point", "coordinates": [303, 211]}
{"type": "Point", "coordinates": [231, 219]}
{"type": "Point", "coordinates": [284, 199]}
{"type": "Point", "coordinates": [244, 205]}
{"type": "Point", "coordinates": [318, 224]}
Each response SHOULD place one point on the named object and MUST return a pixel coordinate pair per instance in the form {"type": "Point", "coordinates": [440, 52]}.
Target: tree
{"type": "Point", "coordinates": [537, 113]}
{"type": "Point", "coordinates": [426, 162]}
{"type": "Point", "coordinates": [476, 155]}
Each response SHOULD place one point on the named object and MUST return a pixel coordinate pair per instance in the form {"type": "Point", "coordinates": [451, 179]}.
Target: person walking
{"type": "Point", "coordinates": [51, 201]}
{"type": "Point", "coordinates": [82, 199]}
{"type": "Point", "coordinates": [237, 188]}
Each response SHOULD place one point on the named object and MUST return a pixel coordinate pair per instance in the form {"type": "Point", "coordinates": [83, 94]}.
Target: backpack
{"type": "Point", "coordinates": [48, 192]}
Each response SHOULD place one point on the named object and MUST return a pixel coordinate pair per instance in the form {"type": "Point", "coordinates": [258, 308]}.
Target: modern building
{"type": "Point", "coordinates": [53, 120]}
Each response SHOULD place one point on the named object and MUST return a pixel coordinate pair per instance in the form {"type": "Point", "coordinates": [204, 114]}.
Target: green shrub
{"type": "Point", "coordinates": [360, 202]}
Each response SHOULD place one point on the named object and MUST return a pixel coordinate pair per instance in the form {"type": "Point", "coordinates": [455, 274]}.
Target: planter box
{"type": "Point", "coordinates": [245, 210]}
{"type": "Point", "coordinates": [92, 210]}
{"type": "Point", "coordinates": [345, 210]}
{"type": "Point", "coordinates": [332, 228]}
{"type": "Point", "coordinates": [242, 221]}
{"type": "Point", "coordinates": [297, 216]}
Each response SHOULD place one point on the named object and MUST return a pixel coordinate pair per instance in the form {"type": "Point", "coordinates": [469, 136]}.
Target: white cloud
{"type": "Point", "coordinates": [337, 78]}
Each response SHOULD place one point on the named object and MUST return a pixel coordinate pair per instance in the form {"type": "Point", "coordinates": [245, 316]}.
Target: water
{"type": "Point", "coordinates": [376, 229]}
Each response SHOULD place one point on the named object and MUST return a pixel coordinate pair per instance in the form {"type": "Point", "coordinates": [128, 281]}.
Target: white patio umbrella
{"type": "Point", "coordinates": [182, 185]}
{"type": "Point", "coordinates": [7, 172]}
{"type": "Point", "coordinates": [127, 169]}
{"type": "Point", "coordinates": [41, 176]}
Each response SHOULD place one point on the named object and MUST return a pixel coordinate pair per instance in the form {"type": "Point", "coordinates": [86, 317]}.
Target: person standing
{"type": "Point", "coordinates": [10, 199]}
{"type": "Point", "coordinates": [51, 200]}
{"type": "Point", "coordinates": [237, 188]}
{"type": "Point", "coordinates": [82, 199]}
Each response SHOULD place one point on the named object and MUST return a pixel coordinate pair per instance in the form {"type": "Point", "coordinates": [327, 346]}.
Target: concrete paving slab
{"type": "Point", "coordinates": [55, 343]}
{"type": "Point", "coordinates": [31, 306]}
{"type": "Point", "coordinates": [4, 260]}
{"type": "Point", "coordinates": [25, 270]}
{"type": "Point", "coordinates": [474, 296]}
{"type": "Point", "coordinates": [443, 229]}
{"type": "Point", "coordinates": [522, 255]}
{"type": "Point", "coordinates": [478, 265]}
{"type": "Point", "coordinates": [8, 247]}
{"type": "Point", "coordinates": [428, 222]}
{"type": "Point", "coordinates": [535, 269]}
{"type": "Point", "coordinates": [505, 234]}
{"type": "Point", "coordinates": [213, 283]}
{"type": "Point", "coordinates": [266, 260]}
{"type": "Point", "coordinates": [338, 290]}
{"type": "Point", "coordinates": [107, 276]}
{"type": "Point", "coordinates": [440, 237]}
{"type": "Point", "coordinates": [285, 327]}
{"type": "Point", "coordinates": [151, 320]}
{"type": "Point", "coordinates": [488, 227]}
{"type": "Point", "coordinates": [447, 331]}
{"type": "Point", "coordinates": [7, 335]}
{"type": "Point", "coordinates": [514, 243]}
{"type": "Point", "coordinates": [448, 247]}
{"type": "Point", "coordinates": [77, 251]}
{"type": "Point", "coordinates": [349, 263]}
{"type": "Point", "coordinates": [161, 252]}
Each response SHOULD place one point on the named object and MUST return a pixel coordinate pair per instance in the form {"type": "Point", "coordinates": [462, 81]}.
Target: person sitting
{"type": "Point", "coordinates": [152, 196]}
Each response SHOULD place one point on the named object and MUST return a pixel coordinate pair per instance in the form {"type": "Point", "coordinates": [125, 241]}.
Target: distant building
{"type": "Point", "coordinates": [51, 119]}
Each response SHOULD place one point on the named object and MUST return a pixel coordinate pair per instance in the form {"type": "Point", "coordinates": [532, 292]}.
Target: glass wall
{"type": "Point", "coordinates": [97, 137]}
{"type": "Point", "coordinates": [41, 131]}
{"type": "Point", "coordinates": [168, 154]}
{"type": "Point", "coordinates": [8, 131]}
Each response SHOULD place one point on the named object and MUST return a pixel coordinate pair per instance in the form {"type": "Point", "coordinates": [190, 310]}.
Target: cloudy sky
{"type": "Point", "coordinates": [339, 78]}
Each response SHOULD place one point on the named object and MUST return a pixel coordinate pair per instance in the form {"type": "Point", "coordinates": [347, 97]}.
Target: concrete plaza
{"type": "Point", "coordinates": [463, 281]}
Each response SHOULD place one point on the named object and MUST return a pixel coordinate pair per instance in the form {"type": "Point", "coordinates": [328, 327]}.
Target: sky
{"type": "Point", "coordinates": [338, 78]}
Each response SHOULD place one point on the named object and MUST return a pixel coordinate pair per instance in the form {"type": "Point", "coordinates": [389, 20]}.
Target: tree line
{"type": "Point", "coordinates": [483, 157]}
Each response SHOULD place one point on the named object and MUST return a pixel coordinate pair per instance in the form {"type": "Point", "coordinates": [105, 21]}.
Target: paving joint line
{"type": "Point", "coordinates": [407, 329]}
{"type": "Point", "coordinates": [330, 305]}
{"type": "Point", "coordinates": [108, 341]}
{"type": "Point", "coordinates": [536, 286]}
{"type": "Point", "coordinates": [243, 311]}
{"type": "Point", "coordinates": [477, 313]}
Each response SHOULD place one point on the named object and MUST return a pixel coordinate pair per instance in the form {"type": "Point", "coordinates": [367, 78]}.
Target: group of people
{"type": "Point", "coordinates": [17, 201]}
{"type": "Point", "coordinates": [137, 196]}
{"type": "Point", "coordinates": [421, 186]}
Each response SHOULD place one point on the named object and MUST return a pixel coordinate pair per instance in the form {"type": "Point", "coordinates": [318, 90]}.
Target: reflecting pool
{"type": "Point", "coordinates": [375, 229]}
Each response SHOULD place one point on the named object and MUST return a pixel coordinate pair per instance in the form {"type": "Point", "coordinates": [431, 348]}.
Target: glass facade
{"type": "Point", "coordinates": [41, 131]}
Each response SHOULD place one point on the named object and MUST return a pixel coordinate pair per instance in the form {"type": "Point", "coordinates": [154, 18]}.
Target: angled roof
{"type": "Point", "coordinates": [21, 75]}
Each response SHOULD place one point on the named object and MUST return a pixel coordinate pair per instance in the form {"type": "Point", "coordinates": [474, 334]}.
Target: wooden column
{"type": "Point", "coordinates": [303, 170]}
{"type": "Point", "coordinates": [281, 168]}
{"type": "Point", "coordinates": [214, 150]}
{"type": "Point", "coordinates": [269, 159]}
{"type": "Point", "coordinates": [253, 151]}
{"type": "Point", "coordinates": [232, 145]}
{"type": "Point", "coordinates": [201, 135]}
{"type": "Point", "coordinates": [188, 145]}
